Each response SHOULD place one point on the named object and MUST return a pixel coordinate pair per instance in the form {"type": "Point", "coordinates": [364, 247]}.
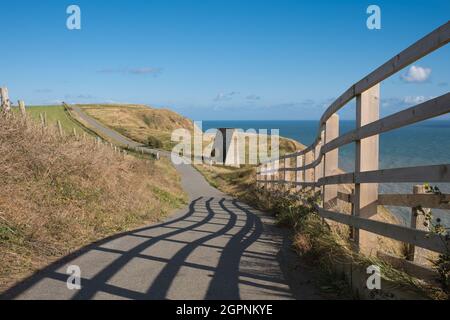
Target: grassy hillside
{"type": "Point", "coordinates": [58, 194]}
{"type": "Point", "coordinates": [139, 122]}
{"type": "Point", "coordinates": [53, 114]}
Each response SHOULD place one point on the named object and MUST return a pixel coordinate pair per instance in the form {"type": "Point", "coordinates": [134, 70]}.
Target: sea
{"type": "Point", "coordinates": [425, 143]}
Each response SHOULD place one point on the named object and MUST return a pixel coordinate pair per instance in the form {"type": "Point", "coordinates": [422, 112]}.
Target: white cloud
{"type": "Point", "coordinates": [414, 99]}
{"type": "Point", "coordinates": [253, 97]}
{"type": "Point", "coordinates": [225, 96]}
{"type": "Point", "coordinates": [43, 91]}
{"type": "Point", "coordinates": [136, 71]}
{"type": "Point", "coordinates": [154, 71]}
{"type": "Point", "coordinates": [400, 103]}
{"type": "Point", "coordinates": [416, 74]}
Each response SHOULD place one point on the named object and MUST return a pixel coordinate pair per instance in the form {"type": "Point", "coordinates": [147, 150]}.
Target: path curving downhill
{"type": "Point", "coordinates": [216, 248]}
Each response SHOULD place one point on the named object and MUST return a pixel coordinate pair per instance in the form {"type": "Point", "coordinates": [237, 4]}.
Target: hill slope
{"type": "Point", "coordinates": [138, 122]}
{"type": "Point", "coordinates": [60, 193]}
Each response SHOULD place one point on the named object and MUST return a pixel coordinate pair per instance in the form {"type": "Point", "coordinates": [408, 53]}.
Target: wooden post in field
{"type": "Point", "coordinates": [366, 194]}
{"type": "Point", "coordinates": [75, 133]}
{"type": "Point", "coordinates": [22, 108]}
{"type": "Point", "coordinates": [4, 100]}
{"type": "Point", "coordinates": [60, 129]}
{"type": "Point", "coordinates": [45, 119]}
{"type": "Point", "coordinates": [299, 177]}
{"type": "Point", "coordinates": [419, 222]}
{"type": "Point", "coordinates": [331, 162]}
{"type": "Point", "coordinates": [41, 116]}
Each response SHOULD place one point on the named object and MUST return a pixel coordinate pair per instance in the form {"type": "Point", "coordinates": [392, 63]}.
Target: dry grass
{"type": "Point", "coordinates": [137, 122]}
{"type": "Point", "coordinates": [327, 247]}
{"type": "Point", "coordinates": [58, 194]}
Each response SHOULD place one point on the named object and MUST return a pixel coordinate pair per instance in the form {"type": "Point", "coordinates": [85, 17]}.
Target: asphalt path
{"type": "Point", "coordinates": [215, 248]}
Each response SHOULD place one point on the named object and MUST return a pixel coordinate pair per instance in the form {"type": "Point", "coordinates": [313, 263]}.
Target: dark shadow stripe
{"type": "Point", "coordinates": [225, 282]}
{"type": "Point", "coordinates": [38, 276]}
{"type": "Point", "coordinates": [109, 271]}
{"type": "Point", "coordinates": [162, 283]}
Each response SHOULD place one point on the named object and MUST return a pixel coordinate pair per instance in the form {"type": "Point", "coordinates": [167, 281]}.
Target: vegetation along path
{"type": "Point", "coordinates": [216, 248]}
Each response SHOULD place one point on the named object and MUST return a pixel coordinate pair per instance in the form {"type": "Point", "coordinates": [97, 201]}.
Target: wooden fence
{"type": "Point", "coordinates": [316, 167]}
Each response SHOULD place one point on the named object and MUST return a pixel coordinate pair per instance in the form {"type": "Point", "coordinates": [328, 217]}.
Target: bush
{"type": "Point", "coordinates": [154, 142]}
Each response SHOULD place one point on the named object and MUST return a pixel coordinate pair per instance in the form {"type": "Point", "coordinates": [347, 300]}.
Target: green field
{"type": "Point", "coordinates": [53, 114]}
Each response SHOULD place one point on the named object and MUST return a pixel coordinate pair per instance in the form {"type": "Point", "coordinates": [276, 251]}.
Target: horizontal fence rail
{"type": "Point", "coordinates": [316, 168]}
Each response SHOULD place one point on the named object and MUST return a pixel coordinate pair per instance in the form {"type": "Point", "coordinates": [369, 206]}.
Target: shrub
{"type": "Point", "coordinates": [154, 142]}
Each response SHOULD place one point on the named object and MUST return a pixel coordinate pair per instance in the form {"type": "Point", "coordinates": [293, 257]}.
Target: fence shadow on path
{"type": "Point", "coordinates": [230, 231]}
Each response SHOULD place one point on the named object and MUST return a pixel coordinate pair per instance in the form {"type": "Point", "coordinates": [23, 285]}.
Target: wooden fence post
{"type": "Point", "coordinates": [366, 194]}
{"type": "Point", "coordinates": [4, 100]}
{"type": "Point", "coordinates": [309, 173]}
{"type": "Point", "coordinates": [257, 177]}
{"type": "Point", "coordinates": [261, 174]}
{"type": "Point", "coordinates": [266, 179]}
{"type": "Point", "coordinates": [276, 174]}
{"type": "Point", "coordinates": [299, 173]}
{"type": "Point", "coordinates": [287, 174]}
{"type": "Point", "coordinates": [41, 116]}
{"type": "Point", "coordinates": [419, 222]}
{"type": "Point", "coordinates": [318, 170]}
{"type": "Point", "coordinates": [60, 129]}
{"type": "Point", "coordinates": [331, 162]}
{"type": "Point", "coordinates": [271, 175]}
{"type": "Point", "coordinates": [22, 108]}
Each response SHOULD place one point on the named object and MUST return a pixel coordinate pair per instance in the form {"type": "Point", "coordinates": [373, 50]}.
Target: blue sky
{"type": "Point", "coordinates": [217, 59]}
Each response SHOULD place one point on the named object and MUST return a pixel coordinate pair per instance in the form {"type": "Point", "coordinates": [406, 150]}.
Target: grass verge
{"type": "Point", "coordinates": [329, 250]}
{"type": "Point", "coordinates": [61, 193]}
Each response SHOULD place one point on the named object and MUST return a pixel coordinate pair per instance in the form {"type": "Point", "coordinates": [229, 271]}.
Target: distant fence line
{"type": "Point", "coordinates": [316, 167]}
{"type": "Point", "coordinates": [5, 109]}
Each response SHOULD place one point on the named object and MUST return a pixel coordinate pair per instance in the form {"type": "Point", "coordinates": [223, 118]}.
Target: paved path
{"type": "Point", "coordinates": [217, 248]}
